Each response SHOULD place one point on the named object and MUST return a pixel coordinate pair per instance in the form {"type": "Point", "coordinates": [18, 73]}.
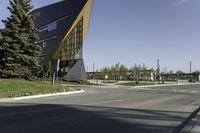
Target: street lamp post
{"type": "Point", "coordinates": [93, 70]}
{"type": "Point", "coordinates": [158, 71]}
{"type": "Point", "coordinates": [191, 71]}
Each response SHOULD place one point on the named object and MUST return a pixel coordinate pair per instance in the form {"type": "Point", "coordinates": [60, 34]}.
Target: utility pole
{"type": "Point", "coordinates": [165, 70]}
{"type": "Point", "coordinates": [158, 64]}
{"type": "Point", "coordinates": [164, 74]}
{"type": "Point", "coordinates": [158, 70]}
{"type": "Point", "coordinates": [93, 70]}
{"type": "Point", "coordinates": [97, 77]}
{"type": "Point", "coordinates": [191, 71]}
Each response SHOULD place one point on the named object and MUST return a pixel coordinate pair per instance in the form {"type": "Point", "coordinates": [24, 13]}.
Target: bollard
{"type": "Point", "coordinates": [53, 80]}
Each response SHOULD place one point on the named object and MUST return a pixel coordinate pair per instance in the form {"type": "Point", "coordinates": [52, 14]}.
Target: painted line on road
{"type": "Point", "coordinates": [182, 90]}
{"type": "Point", "coordinates": [193, 91]}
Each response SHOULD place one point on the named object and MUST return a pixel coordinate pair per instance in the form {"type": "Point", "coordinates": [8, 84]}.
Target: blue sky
{"type": "Point", "coordinates": [140, 31]}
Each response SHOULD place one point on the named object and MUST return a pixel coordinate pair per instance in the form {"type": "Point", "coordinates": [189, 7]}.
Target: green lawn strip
{"type": "Point", "coordinates": [140, 84]}
{"type": "Point", "coordinates": [15, 88]}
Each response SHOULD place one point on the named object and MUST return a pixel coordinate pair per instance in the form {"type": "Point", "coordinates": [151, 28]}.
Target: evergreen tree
{"type": "Point", "coordinates": [18, 52]}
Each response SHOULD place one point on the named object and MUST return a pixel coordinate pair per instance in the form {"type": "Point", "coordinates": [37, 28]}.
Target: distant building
{"type": "Point", "coordinates": [62, 28]}
{"type": "Point", "coordinates": [183, 76]}
{"type": "Point", "coordinates": [147, 75]}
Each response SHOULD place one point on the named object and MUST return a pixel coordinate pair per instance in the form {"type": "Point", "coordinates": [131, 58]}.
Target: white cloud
{"type": "Point", "coordinates": [180, 2]}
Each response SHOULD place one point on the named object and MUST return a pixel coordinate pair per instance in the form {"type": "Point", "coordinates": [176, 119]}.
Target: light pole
{"type": "Point", "coordinates": [93, 70]}
{"type": "Point", "coordinates": [191, 71]}
{"type": "Point", "coordinates": [158, 70]}
{"type": "Point", "coordinates": [190, 67]}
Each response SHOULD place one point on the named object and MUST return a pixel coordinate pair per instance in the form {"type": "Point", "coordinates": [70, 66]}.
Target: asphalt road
{"type": "Point", "coordinates": [103, 110]}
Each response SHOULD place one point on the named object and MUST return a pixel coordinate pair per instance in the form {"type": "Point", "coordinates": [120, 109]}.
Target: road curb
{"type": "Point", "coordinates": [42, 96]}
{"type": "Point", "coordinates": [179, 84]}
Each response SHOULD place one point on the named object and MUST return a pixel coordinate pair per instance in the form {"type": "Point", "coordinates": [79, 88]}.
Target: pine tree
{"type": "Point", "coordinates": [18, 52]}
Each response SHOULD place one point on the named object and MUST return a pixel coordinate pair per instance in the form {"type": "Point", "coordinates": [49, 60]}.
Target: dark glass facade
{"type": "Point", "coordinates": [74, 43]}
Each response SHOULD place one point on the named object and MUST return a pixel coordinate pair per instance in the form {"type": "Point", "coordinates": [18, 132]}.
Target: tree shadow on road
{"type": "Point", "coordinates": [43, 118]}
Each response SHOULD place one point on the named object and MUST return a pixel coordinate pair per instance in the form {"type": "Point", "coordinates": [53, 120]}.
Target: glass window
{"type": "Point", "coordinates": [52, 26]}
{"type": "Point", "coordinates": [44, 44]}
{"type": "Point", "coordinates": [49, 27]}
{"type": "Point", "coordinates": [73, 47]}
{"type": "Point", "coordinates": [44, 28]}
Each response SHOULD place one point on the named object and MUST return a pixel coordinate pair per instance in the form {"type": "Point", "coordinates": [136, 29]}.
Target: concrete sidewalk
{"type": "Point", "coordinates": [116, 84]}
{"type": "Point", "coordinates": [160, 85]}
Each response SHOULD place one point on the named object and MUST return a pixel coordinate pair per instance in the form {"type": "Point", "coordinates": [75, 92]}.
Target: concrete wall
{"type": "Point", "coordinates": [77, 72]}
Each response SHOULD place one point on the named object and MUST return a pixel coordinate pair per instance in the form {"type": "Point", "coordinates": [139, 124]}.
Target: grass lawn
{"type": "Point", "coordinates": [140, 84]}
{"type": "Point", "coordinates": [15, 88]}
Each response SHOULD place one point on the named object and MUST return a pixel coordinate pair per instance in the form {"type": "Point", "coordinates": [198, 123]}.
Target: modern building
{"type": "Point", "coordinates": [62, 28]}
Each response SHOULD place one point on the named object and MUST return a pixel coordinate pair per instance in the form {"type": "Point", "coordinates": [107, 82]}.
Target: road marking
{"type": "Point", "coordinates": [182, 90]}
{"type": "Point", "coordinates": [193, 91]}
